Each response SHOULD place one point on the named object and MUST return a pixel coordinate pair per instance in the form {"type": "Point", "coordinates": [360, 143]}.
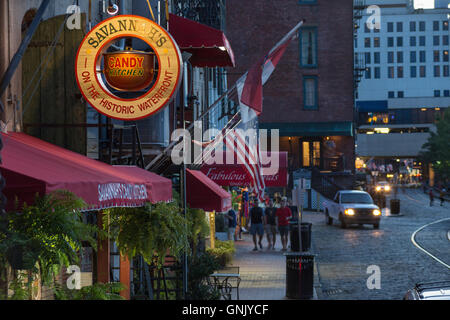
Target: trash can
{"type": "Point", "coordinates": [299, 275]}
{"type": "Point", "coordinates": [395, 206]}
{"type": "Point", "coordinates": [306, 236]}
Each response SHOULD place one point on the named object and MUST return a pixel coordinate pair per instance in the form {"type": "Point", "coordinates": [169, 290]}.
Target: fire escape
{"type": "Point", "coordinates": [359, 60]}
{"type": "Point", "coordinates": [211, 13]}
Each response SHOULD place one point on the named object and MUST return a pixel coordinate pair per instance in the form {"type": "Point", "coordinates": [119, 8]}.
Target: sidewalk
{"type": "Point", "coordinates": [263, 272]}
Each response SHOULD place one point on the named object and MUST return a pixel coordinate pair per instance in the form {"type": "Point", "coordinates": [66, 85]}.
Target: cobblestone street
{"type": "Point", "coordinates": [343, 255]}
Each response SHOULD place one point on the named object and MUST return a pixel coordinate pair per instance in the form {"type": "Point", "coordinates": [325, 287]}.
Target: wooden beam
{"type": "Point", "coordinates": [124, 276]}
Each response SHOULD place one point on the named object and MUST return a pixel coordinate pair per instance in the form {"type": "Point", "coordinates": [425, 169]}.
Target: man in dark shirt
{"type": "Point", "coordinates": [271, 224]}
{"type": "Point", "coordinates": [256, 227]}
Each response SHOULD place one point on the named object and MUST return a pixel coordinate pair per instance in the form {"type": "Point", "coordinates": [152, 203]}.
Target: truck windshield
{"type": "Point", "coordinates": [356, 198]}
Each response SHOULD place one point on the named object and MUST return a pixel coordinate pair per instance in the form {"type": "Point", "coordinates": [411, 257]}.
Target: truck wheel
{"type": "Point", "coordinates": [376, 226]}
{"type": "Point", "coordinates": [328, 219]}
{"type": "Point", "coordinates": [343, 224]}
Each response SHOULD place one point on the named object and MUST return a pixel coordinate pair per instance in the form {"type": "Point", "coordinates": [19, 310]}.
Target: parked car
{"type": "Point", "coordinates": [429, 291]}
{"type": "Point", "coordinates": [352, 207]}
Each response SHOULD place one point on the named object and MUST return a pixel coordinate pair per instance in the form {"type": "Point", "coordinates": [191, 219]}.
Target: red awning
{"type": "Point", "coordinates": [203, 193]}
{"type": "Point", "coordinates": [30, 166]}
{"type": "Point", "coordinates": [236, 175]}
{"type": "Point", "coordinates": [209, 47]}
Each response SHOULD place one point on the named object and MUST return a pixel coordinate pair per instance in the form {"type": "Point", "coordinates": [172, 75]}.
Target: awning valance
{"type": "Point", "coordinates": [203, 193]}
{"type": "Point", "coordinates": [234, 174]}
{"type": "Point", "coordinates": [372, 106]}
{"type": "Point", "coordinates": [209, 47]}
{"type": "Point", "coordinates": [32, 166]}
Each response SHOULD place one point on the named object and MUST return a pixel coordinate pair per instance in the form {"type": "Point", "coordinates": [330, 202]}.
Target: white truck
{"type": "Point", "coordinates": [352, 207]}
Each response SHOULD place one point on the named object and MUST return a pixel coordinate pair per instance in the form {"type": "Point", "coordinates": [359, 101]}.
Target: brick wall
{"type": "Point", "coordinates": [255, 26]}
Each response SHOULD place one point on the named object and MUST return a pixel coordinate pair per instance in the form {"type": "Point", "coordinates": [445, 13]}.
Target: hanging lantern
{"type": "Point", "coordinates": [129, 70]}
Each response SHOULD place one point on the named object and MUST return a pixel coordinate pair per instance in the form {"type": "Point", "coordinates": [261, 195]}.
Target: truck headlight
{"type": "Point", "coordinates": [376, 212]}
{"type": "Point", "coordinates": [349, 212]}
{"type": "Point", "coordinates": [387, 188]}
{"type": "Point", "coordinates": [378, 188]}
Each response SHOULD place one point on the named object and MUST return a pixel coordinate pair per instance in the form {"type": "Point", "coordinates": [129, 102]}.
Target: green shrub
{"type": "Point", "coordinates": [200, 268]}
{"type": "Point", "coordinates": [223, 251]}
{"type": "Point", "coordinates": [97, 291]}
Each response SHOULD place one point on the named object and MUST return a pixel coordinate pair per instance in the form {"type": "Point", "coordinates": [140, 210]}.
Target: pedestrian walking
{"type": "Point", "coordinates": [231, 215]}
{"type": "Point", "coordinates": [256, 224]}
{"type": "Point", "coordinates": [283, 215]}
{"type": "Point", "coordinates": [441, 196]}
{"type": "Point", "coordinates": [271, 225]}
{"type": "Point", "coordinates": [431, 196]}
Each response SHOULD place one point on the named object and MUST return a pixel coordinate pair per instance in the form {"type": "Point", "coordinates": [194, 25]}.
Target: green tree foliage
{"type": "Point", "coordinates": [50, 233]}
{"type": "Point", "coordinates": [437, 149]}
{"type": "Point", "coordinates": [151, 231]}
{"type": "Point", "coordinates": [97, 291]}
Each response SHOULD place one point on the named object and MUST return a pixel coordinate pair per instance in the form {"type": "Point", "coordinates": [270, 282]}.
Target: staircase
{"type": "Point", "coordinates": [123, 146]}
{"type": "Point", "coordinates": [328, 184]}
{"type": "Point", "coordinates": [163, 164]}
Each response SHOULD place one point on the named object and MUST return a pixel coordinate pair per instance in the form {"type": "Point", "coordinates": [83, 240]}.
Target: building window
{"type": "Point", "coordinates": [377, 72]}
{"type": "Point", "coordinates": [422, 41]}
{"type": "Point", "coordinates": [412, 57]}
{"type": "Point", "coordinates": [399, 26]}
{"type": "Point", "coordinates": [390, 41]}
{"type": "Point", "coordinates": [423, 71]}
{"type": "Point", "coordinates": [310, 92]}
{"type": "Point", "coordinates": [422, 56]}
{"type": "Point", "coordinates": [366, 28]}
{"type": "Point", "coordinates": [366, 42]}
{"type": "Point", "coordinates": [422, 26]}
{"type": "Point", "coordinates": [390, 72]}
{"type": "Point", "coordinates": [445, 55]}
{"type": "Point", "coordinates": [437, 71]}
{"type": "Point", "coordinates": [400, 94]}
{"type": "Point", "coordinates": [412, 41]}
{"type": "Point", "coordinates": [376, 42]}
{"type": "Point", "coordinates": [307, 1]}
{"type": "Point", "coordinates": [436, 55]}
{"type": "Point", "coordinates": [368, 73]}
{"type": "Point", "coordinates": [390, 57]}
{"type": "Point", "coordinates": [413, 72]}
{"type": "Point", "coordinates": [367, 57]}
{"type": "Point", "coordinates": [446, 93]}
{"type": "Point", "coordinates": [435, 25]}
{"type": "Point", "coordinates": [445, 25]}
{"type": "Point", "coordinates": [445, 40]}
{"type": "Point", "coordinates": [308, 50]}
{"type": "Point", "coordinates": [391, 94]}
{"type": "Point", "coordinates": [399, 72]}
{"type": "Point", "coordinates": [390, 27]}
{"type": "Point", "coordinates": [376, 57]}
{"type": "Point", "coordinates": [445, 71]}
{"type": "Point", "coordinates": [399, 56]}
{"type": "Point", "coordinates": [437, 93]}
{"type": "Point", "coordinates": [412, 26]}
{"type": "Point", "coordinates": [435, 40]}
{"type": "Point", "coordinates": [399, 42]}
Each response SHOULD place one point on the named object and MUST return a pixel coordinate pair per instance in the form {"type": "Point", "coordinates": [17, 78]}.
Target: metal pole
{"type": "Point", "coordinates": [183, 190]}
{"type": "Point", "coordinates": [23, 46]}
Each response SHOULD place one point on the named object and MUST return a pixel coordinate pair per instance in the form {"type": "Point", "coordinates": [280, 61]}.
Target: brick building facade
{"type": "Point", "coordinates": [310, 96]}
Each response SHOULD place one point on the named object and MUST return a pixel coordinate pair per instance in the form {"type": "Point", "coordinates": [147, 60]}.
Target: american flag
{"type": "Point", "coordinates": [249, 88]}
{"type": "Point", "coordinates": [247, 154]}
